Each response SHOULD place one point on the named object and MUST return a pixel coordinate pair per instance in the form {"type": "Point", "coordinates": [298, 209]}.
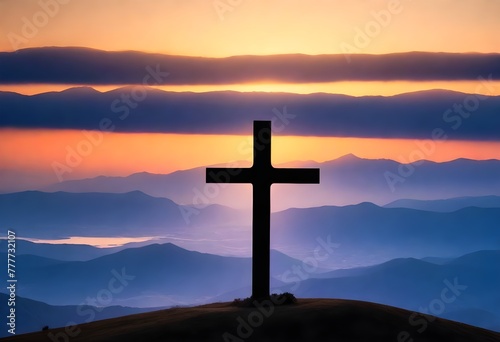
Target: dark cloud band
{"type": "Point", "coordinates": [421, 115]}
{"type": "Point", "coordinates": [95, 67]}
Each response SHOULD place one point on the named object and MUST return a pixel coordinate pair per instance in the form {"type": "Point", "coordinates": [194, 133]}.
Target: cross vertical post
{"type": "Point", "coordinates": [262, 175]}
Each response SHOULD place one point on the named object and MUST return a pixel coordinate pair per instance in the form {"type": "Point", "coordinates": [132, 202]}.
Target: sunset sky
{"type": "Point", "coordinates": [225, 28]}
{"type": "Point", "coordinates": [262, 27]}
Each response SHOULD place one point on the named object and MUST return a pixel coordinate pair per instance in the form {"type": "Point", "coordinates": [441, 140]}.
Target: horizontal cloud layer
{"type": "Point", "coordinates": [421, 115]}
{"type": "Point", "coordinates": [92, 67]}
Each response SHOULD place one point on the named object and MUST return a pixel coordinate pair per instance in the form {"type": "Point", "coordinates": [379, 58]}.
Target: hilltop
{"type": "Point", "coordinates": [308, 320]}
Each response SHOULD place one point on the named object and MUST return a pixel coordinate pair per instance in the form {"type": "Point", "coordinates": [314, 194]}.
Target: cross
{"type": "Point", "coordinates": [261, 175]}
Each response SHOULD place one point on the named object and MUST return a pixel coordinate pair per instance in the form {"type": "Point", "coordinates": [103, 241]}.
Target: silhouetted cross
{"type": "Point", "coordinates": [261, 175]}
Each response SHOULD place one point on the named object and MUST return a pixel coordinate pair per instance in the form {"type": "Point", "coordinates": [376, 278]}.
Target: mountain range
{"type": "Point", "coordinates": [62, 214]}
{"type": "Point", "coordinates": [365, 234]}
{"type": "Point", "coordinates": [166, 275]}
{"type": "Point", "coordinates": [404, 250]}
{"type": "Point", "coordinates": [412, 115]}
{"type": "Point", "coordinates": [153, 275]}
{"type": "Point", "coordinates": [447, 205]}
{"type": "Point", "coordinates": [347, 180]}
{"type": "Point", "coordinates": [64, 252]}
{"type": "Point", "coordinates": [464, 289]}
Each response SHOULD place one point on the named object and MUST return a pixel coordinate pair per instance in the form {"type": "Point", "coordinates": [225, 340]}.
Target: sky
{"type": "Point", "coordinates": [212, 31]}
{"type": "Point", "coordinates": [261, 27]}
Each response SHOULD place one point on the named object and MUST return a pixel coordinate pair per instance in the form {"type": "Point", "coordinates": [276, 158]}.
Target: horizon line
{"type": "Point", "coordinates": [251, 55]}
{"type": "Point", "coordinates": [111, 88]}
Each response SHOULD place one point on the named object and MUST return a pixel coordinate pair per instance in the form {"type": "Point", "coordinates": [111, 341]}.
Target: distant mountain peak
{"type": "Point", "coordinates": [437, 92]}
{"type": "Point", "coordinates": [349, 157]}
{"type": "Point", "coordinates": [80, 90]}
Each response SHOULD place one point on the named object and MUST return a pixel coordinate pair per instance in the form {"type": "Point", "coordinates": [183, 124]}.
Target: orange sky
{"type": "Point", "coordinates": [348, 88]}
{"type": "Point", "coordinates": [101, 242]}
{"type": "Point", "coordinates": [198, 28]}
{"type": "Point", "coordinates": [126, 153]}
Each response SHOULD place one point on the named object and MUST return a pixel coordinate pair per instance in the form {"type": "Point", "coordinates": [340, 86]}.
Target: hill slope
{"type": "Point", "coordinates": [309, 320]}
{"type": "Point", "coordinates": [32, 315]}
{"type": "Point", "coordinates": [417, 285]}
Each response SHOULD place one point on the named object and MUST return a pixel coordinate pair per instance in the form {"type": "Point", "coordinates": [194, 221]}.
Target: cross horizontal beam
{"type": "Point", "coordinates": [273, 175]}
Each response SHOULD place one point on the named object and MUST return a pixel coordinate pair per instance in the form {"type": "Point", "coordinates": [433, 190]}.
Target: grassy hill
{"type": "Point", "coordinates": [308, 320]}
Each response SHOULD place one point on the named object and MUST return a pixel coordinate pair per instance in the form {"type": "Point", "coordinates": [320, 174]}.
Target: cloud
{"type": "Point", "coordinates": [95, 67]}
{"type": "Point", "coordinates": [414, 115]}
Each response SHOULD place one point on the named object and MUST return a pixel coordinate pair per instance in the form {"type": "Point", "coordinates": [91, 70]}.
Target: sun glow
{"type": "Point", "coordinates": [121, 154]}
{"type": "Point", "coordinates": [373, 88]}
{"type": "Point", "coordinates": [100, 242]}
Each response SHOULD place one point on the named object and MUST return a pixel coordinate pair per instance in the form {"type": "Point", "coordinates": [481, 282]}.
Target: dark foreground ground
{"type": "Point", "coordinates": [308, 320]}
